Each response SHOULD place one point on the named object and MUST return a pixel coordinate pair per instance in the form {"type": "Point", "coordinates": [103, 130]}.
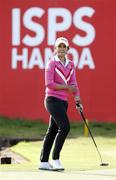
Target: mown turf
{"type": "Point", "coordinates": [77, 154]}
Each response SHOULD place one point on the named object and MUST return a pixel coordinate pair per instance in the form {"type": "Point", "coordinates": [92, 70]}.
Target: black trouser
{"type": "Point", "coordinates": [58, 128]}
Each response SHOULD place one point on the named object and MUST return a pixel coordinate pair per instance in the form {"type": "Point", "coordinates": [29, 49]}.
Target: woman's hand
{"type": "Point", "coordinates": [79, 105]}
{"type": "Point", "coordinates": [72, 88]}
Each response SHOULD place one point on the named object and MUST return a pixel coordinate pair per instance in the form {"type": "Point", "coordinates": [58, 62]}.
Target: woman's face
{"type": "Point", "coordinates": [61, 50]}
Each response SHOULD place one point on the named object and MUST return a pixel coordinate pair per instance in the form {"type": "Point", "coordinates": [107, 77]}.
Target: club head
{"type": "Point", "coordinates": [104, 164]}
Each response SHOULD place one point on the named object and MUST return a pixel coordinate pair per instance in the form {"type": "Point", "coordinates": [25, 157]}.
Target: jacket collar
{"type": "Point", "coordinates": [56, 58]}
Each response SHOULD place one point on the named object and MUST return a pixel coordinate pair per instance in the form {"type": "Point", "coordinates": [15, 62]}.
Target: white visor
{"type": "Point", "coordinates": [61, 40]}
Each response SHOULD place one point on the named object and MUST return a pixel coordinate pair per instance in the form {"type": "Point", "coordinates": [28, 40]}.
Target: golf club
{"type": "Point", "coordinates": [102, 163]}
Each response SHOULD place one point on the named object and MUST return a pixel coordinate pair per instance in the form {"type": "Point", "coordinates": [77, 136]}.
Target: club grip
{"type": "Point", "coordinates": [79, 107]}
{"type": "Point", "coordinates": [77, 104]}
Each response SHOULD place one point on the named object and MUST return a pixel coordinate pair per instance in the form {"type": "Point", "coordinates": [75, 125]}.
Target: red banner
{"type": "Point", "coordinates": [27, 35]}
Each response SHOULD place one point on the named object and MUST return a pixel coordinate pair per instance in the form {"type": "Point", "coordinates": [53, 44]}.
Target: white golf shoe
{"type": "Point", "coordinates": [45, 166]}
{"type": "Point", "coordinates": [56, 164]}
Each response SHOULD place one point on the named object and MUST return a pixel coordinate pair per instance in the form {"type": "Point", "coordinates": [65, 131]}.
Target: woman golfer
{"type": "Point", "coordinates": [60, 79]}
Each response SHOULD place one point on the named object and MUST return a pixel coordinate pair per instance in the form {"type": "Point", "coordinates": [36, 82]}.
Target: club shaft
{"type": "Point", "coordinates": [91, 135]}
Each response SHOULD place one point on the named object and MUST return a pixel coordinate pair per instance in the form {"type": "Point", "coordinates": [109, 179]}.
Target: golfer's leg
{"type": "Point", "coordinates": [63, 129]}
{"type": "Point", "coordinates": [48, 140]}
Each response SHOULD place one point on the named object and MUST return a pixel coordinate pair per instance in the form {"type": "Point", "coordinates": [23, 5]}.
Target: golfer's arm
{"type": "Point", "coordinates": [57, 86]}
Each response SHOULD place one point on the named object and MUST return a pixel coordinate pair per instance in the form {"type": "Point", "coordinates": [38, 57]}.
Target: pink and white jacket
{"type": "Point", "coordinates": [58, 73]}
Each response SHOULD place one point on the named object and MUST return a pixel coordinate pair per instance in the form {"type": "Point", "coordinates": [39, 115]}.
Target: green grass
{"type": "Point", "coordinates": [21, 128]}
{"type": "Point", "coordinates": [36, 129]}
{"type": "Point", "coordinates": [104, 129]}
{"type": "Point", "coordinates": [77, 154]}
